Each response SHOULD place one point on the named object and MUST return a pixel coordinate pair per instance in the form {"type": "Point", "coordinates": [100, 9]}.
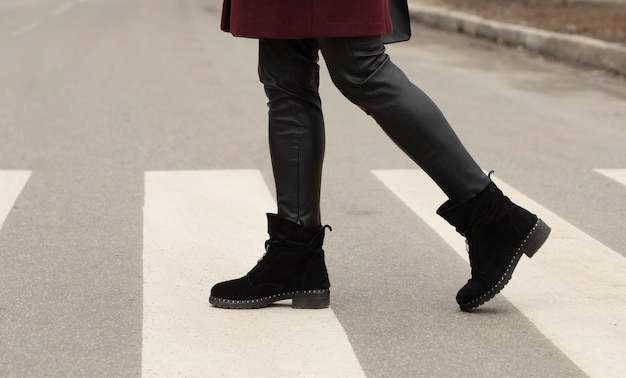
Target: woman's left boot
{"type": "Point", "coordinates": [293, 267]}
{"type": "Point", "coordinates": [498, 233]}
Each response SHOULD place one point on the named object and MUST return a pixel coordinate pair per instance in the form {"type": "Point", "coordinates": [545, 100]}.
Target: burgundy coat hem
{"type": "Point", "coordinates": [299, 19]}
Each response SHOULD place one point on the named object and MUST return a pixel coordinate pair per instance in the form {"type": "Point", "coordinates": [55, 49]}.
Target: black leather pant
{"type": "Point", "coordinates": [363, 72]}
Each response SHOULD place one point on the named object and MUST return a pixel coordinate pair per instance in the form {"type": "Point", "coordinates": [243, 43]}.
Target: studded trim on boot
{"type": "Point", "coordinates": [293, 267]}
{"type": "Point", "coordinates": [498, 233]}
{"type": "Point", "coordinates": [304, 299]}
{"type": "Point", "coordinates": [530, 245]}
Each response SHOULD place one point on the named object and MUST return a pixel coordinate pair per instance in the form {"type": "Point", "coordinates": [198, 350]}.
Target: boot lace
{"type": "Point", "coordinates": [471, 258]}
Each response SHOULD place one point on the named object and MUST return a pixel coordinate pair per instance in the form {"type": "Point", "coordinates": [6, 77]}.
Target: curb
{"type": "Point", "coordinates": [575, 49]}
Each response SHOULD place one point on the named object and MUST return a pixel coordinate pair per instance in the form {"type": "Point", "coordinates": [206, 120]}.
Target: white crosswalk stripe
{"type": "Point", "coordinates": [201, 227]}
{"type": "Point", "coordinates": [64, 8]}
{"type": "Point", "coordinates": [11, 185]}
{"type": "Point", "coordinates": [618, 175]}
{"type": "Point", "coordinates": [574, 289]}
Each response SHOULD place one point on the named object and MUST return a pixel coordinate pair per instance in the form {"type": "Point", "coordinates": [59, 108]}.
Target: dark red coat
{"type": "Point", "coordinates": [290, 19]}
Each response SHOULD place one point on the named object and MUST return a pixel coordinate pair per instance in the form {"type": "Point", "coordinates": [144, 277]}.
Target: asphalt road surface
{"type": "Point", "coordinates": [134, 174]}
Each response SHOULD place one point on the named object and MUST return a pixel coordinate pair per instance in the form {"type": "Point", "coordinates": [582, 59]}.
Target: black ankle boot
{"type": "Point", "coordinates": [497, 233]}
{"type": "Point", "coordinates": [293, 268]}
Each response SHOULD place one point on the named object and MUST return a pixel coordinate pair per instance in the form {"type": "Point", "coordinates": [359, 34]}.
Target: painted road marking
{"type": "Point", "coordinates": [618, 175]}
{"type": "Point", "coordinates": [25, 28]}
{"type": "Point", "coordinates": [11, 185]}
{"type": "Point", "coordinates": [201, 227]}
{"type": "Point", "coordinates": [55, 13]}
{"type": "Point", "coordinates": [573, 290]}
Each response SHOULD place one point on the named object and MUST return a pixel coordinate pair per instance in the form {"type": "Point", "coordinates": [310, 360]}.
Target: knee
{"type": "Point", "coordinates": [367, 78]}
{"type": "Point", "coordinates": [350, 83]}
{"type": "Point", "coordinates": [285, 90]}
{"type": "Point", "coordinates": [369, 86]}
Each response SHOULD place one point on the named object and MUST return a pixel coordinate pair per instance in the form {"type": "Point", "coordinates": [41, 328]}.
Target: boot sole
{"type": "Point", "coordinates": [304, 299]}
{"type": "Point", "coordinates": [531, 244]}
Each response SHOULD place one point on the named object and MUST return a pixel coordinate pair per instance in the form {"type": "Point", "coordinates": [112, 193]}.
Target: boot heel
{"type": "Point", "coordinates": [536, 239]}
{"type": "Point", "coordinates": [311, 299]}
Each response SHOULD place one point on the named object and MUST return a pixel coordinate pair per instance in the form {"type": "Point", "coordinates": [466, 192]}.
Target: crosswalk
{"type": "Point", "coordinates": [574, 271]}
{"type": "Point", "coordinates": [201, 227]}
{"type": "Point", "coordinates": [618, 175]}
{"type": "Point", "coordinates": [11, 185]}
{"type": "Point", "coordinates": [50, 14]}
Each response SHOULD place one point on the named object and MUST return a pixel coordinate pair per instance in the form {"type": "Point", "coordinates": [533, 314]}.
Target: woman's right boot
{"type": "Point", "coordinates": [293, 268]}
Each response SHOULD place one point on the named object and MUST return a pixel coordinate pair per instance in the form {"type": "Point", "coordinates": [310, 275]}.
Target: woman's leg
{"type": "Point", "coordinates": [363, 72]}
{"type": "Point", "coordinates": [497, 231]}
{"type": "Point", "coordinates": [289, 72]}
{"type": "Point", "coordinates": [293, 266]}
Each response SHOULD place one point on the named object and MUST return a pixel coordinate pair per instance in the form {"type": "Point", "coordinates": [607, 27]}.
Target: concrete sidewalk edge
{"type": "Point", "coordinates": [576, 49]}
